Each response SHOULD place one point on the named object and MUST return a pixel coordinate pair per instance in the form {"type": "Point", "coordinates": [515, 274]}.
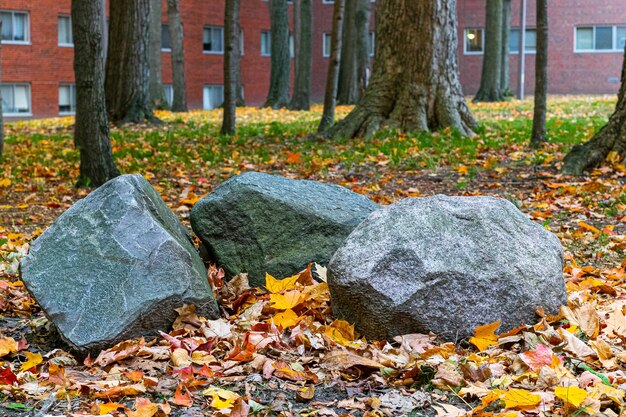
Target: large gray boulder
{"type": "Point", "coordinates": [446, 265]}
{"type": "Point", "coordinates": [114, 266]}
{"type": "Point", "coordinates": [258, 223]}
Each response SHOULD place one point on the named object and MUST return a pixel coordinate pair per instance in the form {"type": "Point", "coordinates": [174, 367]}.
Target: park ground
{"type": "Point", "coordinates": [318, 366]}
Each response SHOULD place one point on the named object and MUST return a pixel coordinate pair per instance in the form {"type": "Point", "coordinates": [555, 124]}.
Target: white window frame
{"type": "Point", "coordinates": [167, 50]}
{"type": "Point", "coordinates": [169, 98]}
{"type": "Point", "coordinates": [372, 43]}
{"type": "Point", "coordinates": [63, 44]}
{"type": "Point", "coordinates": [527, 52]}
{"type": "Point", "coordinates": [270, 43]}
{"type": "Point", "coordinates": [465, 51]}
{"type": "Point", "coordinates": [26, 40]}
{"type": "Point", "coordinates": [205, 88]}
{"type": "Point", "coordinates": [328, 1]}
{"type": "Point", "coordinates": [72, 97]}
{"type": "Point", "coordinates": [594, 50]}
{"type": "Point", "coordinates": [213, 52]}
{"type": "Point", "coordinates": [30, 101]}
{"type": "Point", "coordinates": [324, 35]}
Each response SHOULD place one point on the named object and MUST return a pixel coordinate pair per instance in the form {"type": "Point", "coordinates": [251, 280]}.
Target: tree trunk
{"type": "Point", "coordinates": [332, 79]}
{"type": "Point", "coordinates": [492, 59]}
{"type": "Point", "coordinates": [1, 115]}
{"type": "Point", "coordinates": [127, 70]}
{"type": "Point", "coordinates": [231, 65]}
{"type": "Point", "coordinates": [611, 138]}
{"type": "Point", "coordinates": [157, 96]}
{"type": "Point", "coordinates": [415, 81]}
{"type": "Point", "coordinates": [505, 72]}
{"type": "Point", "coordinates": [303, 14]}
{"type": "Point", "coordinates": [175, 26]}
{"type": "Point", "coordinates": [539, 135]}
{"type": "Point", "coordinates": [362, 44]}
{"type": "Point", "coordinates": [348, 90]}
{"type": "Point", "coordinates": [91, 134]}
{"type": "Point", "coordinates": [280, 73]}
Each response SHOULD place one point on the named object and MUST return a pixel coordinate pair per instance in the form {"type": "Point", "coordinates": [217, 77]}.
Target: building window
{"type": "Point", "coordinates": [15, 99]}
{"type": "Point", "coordinates": [15, 27]}
{"type": "Point", "coordinates": [600, 39]}
{"type": "Point", "coordinates": [168, 91]}
{"type": "Point", "coordinates": [531, 41]}
{"type": "Point", "coordinates": [328, 1]}
{"type": "Point", "coordinates": [213, 40]}
{"type": "Point", "coordinates": [212, 96]}
{"type": "Point", "coordinates": [166, 44]}
{"type": "Point", "coordinates": [266, 43]}
{"type": "Point", "coordinates": [292, 46]}
{"type": "Point", "coordinates": [241, 41]}
{"type": "Point", "coordinates": [67, 98]}
{"type": "Point", "coordinates": [65, 31]}
{"type": "Point", "coordinates": [372, 43]}
{"type": "Point", "coordinates": [326, 39]}
{"type": "Point", "coordinates": [474, 41]}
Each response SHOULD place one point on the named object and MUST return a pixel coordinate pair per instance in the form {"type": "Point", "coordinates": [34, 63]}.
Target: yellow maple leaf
{"type": "Point", "coordinates": [274, 285]}
{"type": "Point", "coordinates": [484, 336]}
{"type": "Point", "coordinates": [520, 398]}
{"type": "Point", "coordinates": [108, 407]}
{"type": "Point", "coordinates": [7, 345]}
{"type": "Point", "coordinates": [285, 319]}
{"type": "Point", "coordinates": [5, 182]}
{"type": "Point", "coordinates": [342, 332]}
{"type": "Point", "coordinates": [222, 398]}
{"type": "Point", "coordinates": [32, 360]}
{"type": "Point", "coordinates": [285, 301]}
{"type": "Point", "coordinates": [571, 395]}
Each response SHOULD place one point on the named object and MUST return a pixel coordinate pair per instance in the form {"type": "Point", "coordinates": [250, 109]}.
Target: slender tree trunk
{"type": "Point", "coordinates": [332, 79]}
{"type": "Point", "coordinates": [362, 44]}
{"type": "Point", "coordinates": [505, 72]}
{"type": "Point", "coordinates": [541, 77]}
{"type": "Point", "coordinates": [91, 134]}
{"type": "Point", "coordinates": [157, 96]}
{"type": "Point", "coordinates": [231, 65]}
{"type": "Point", "coordinates": [127, 70]}
{"type": "Point", "coordinates": [280, 73]}
{"type": "Point", "coordinates": [415, 83]}
{"type": "Point", "coordinates": [610, 139]}
{"type": "Point", "coordinates": [1, 115]}
{"type": "Point", "coordinates": [490, 89]}
{"type": "Point", "coordinates": [175, 26]}
{"type": "Point", "coordinates": [348, 90]}
{"type": "Point", "coordinates": [303, 12]}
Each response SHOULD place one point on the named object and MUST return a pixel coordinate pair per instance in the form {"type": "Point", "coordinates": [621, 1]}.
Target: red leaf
{"type": "Point", "coordinates": [7, 377]}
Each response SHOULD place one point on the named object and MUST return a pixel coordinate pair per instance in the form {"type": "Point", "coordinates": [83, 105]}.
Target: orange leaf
{"type": "Point", "coordinates": [182, 398]}
{"type": "Point", "coordinates": [484, 336]}
{"type": "Point", "coordinates": [293, 157]}
{"type": "Point", "coordinates": [108, 407]}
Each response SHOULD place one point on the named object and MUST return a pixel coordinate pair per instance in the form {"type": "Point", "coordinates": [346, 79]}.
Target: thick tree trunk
{"type": "Point", "coordinates": [415, 83]}
{"type": "Point", "coordinates": [157, 96]}
{"type": "Point", "coordinates": [541, 76]}
{"type": "Point", "coordinates": [175, 25]}
{"type": "Point", "coordinates": [127, 70]}
{"type": "Point", "coordinates": [280, 73]}
{"type": "Point", "coordinates": [492, 59]}
{"type": "Point", "coordinates": [362, 44]}
{"type": "Point", "coordinates": [348, 89]}
{"type": "Point", "coordinates": [332, 79]}
{"type": "Point", "coordinates": [91, 134]}
{"type": "Point", "coordinates": [303, 15]}
{"type": "Point", "coordinates": [505, 67]}
{"type": "Point", "coordinates": [231, 65]}
{"type": "Point", "coordinates": [611, 138]}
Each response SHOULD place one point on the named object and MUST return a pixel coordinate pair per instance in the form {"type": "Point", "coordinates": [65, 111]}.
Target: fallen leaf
{"type": "Point", "coordinates": [484, 336]}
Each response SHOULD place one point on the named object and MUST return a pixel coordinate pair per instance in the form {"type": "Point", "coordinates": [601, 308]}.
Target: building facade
{"type": "Point", "coordinates": [586, 50]}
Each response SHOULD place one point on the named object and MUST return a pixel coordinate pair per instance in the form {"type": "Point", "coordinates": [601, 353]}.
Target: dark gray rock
{"type": "Point", "coordinates": [115, 265]}
{"type": "Point", "coordinates": [446, 265]}
{"type": "Point", "coordinates": [258, 223]}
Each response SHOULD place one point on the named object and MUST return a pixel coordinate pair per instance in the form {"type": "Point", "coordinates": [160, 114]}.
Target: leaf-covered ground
{"type": "Point", "coordinates": [277, 351]}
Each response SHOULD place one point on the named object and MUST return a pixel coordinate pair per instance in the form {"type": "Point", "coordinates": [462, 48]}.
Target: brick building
{"type": "Point", "coordinates": [586, 44]}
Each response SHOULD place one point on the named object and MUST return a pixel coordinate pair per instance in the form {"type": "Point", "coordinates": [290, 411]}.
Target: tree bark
{"type": "Point", "coordinates": [611, 138]}
{"type": "Point", "coordinates": [505, 67]}
{"type": "Point", "coordinates": [332, 79]}
{"type": "Point", "coordinates": [490, 89]}
{"type": "Point", "coordinates": [348, 90]}
{"type": "Point", "coordinates": [91, 132]}
{"type": "Point", "coordinates": [175, 26]}
{"type": "Point", "coordinates": [362, 44]}
{"type": "Point", "coordinates": [303, 15]}
{"type": "Point", "coordinates": [415, 83]}
{"type": "Point", "coordinates": [127, 70]}
{"type": "Point", "coordinates": [231, 65]}
{"type": "Point", "coordinates": [539, 134]}
{"type": "Point", "coordinates": [157, 96]}
{"type": "Point", "coordinates": [280, 73]}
